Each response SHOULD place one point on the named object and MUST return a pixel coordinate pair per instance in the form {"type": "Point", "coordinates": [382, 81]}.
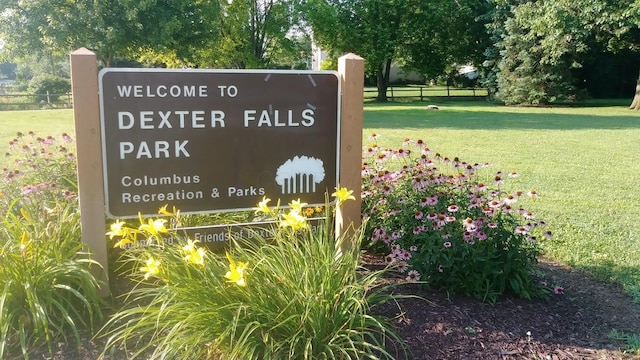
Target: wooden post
{"type": "Point", "coordinates": [351, 70]}
{"type": "Point", "coordinates": [86, 113]}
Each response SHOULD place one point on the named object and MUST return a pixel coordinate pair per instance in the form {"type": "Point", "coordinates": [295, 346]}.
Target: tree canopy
{"type": "Point", "coordinates": [529, 51]}
{"type": "Point", "coordinates": [410, 33]}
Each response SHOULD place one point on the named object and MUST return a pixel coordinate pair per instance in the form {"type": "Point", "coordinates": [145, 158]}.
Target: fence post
{"type": "Point", "coordinates": [351, 70]}
{"type": "Point", "coordinates": [86, 113]}
{"type": "Point", "coordinates": [48, 98]}
{"type": "Point", "coordinates": [420, 93]}
{"type": "Point", "coordinates": [391, 87]}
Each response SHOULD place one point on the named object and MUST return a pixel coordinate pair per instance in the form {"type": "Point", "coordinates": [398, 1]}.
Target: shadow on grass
{"type": "Point", "coordinates": [488, 116]}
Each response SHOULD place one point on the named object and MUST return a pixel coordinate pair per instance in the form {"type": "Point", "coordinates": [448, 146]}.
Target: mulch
{"type": "Point", "coordinates": [574, 325]}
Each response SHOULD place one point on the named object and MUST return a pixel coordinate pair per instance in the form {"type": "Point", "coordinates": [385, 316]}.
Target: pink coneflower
{"type": "Point", "coordinates": [481, 235]}
{"type": "Point", "coordinates": [528, 215]}
{"type": "Point", "coordinates": [541, 223]}
{"type": "Point", "coordinates": [507, 209]}
{"type": "Point", "coordinates": [407, 142]}
{"type": "Point", "coordinates": [402, 266]}
{"type": "Point", "coordinates": [498, 180]}
{"type": "Point", "coordinates": [66, 137]}
{"type": "Point", "coordinates": [389, 259]}
{"type": "Point", "coordinates": [432, 216]}
{"type": "Point", "coordinates": [447, 244]}
{"type": "Point", "coordinates": [481, 187]}
{"type": "Point", "coordinates": [492, 225]}
{"type": "Point", "coordinates": [405, 255]}
{"type": "Point", "coordinates": [425, 151]}
{"type": "Point", "coordinates": [396, 235]}
{"type": "Point", "coordinates": [440, 268]}
{"type": "Point", "coordinates": [413, 248]}
{"type": "Point", "coordinates": [401, 153]}
{"type": "Point", "coordinates": [382, 157]}
{"type": "Point", "coordinates": [558, 290]}
{"type": "Point", "coordinates": [373, 136]}
{"type": "Point", "coordinates": [510, 199]}
{"type": "Point", "coordinates": [494, 204]}
{"type": "Point", "coordinates": [453, 208]}
{"type": "Point", "coordinates": [369, 152]}
{"type": "Point", "coordinates": [547, 234]}
{"type": "Point", "coordinates": [432, 200]}
{"type": "Point", "coordinates": [418, 215]}
{"type": "Point", "coordinates": [28, 189]}
{"type": "Point", "coordinates": [521, 230]}
{"type": "Point", "coordinates": [513, 174]}
{"type": "Point", "coordinates": [413, 276]}
{"type": "Point", "coordinates": [450, 219]}
{"type": "Point", "coordinates": [533, 193]}
{"type": "Point", "coordinates": [420, 144]}
{"type": "Point", "coordinates": [446, 235]}
{"type": "Point", "coordinates": [417, 230]}
{"type": "Point", "coordinates": [387, 190]}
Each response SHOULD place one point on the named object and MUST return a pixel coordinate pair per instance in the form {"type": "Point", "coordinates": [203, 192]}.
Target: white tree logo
{"type": "Point", "coordinates": [300, 175]}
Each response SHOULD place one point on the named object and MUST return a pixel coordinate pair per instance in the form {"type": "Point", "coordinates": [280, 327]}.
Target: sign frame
{"type": "Point", "coordinates": [179, 75]}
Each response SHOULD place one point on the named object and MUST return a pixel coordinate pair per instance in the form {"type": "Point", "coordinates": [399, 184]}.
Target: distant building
{"type": "Point", "coordinates": [397, 74]}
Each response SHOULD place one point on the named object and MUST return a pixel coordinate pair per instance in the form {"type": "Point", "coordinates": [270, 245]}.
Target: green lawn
{"type": "Point", "coordinates": [584, 162]}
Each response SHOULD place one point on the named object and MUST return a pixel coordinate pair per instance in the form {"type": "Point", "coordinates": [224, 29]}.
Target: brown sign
{"type": "Point", "coordinates": [206, 141]}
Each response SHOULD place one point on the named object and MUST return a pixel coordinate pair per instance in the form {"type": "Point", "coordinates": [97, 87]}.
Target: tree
{"type": "Point", "coordinates": [541, 43]}
{"type": "Point", "coordinates": [383, 31]}
{"type": "Point", "coordinates": [538, 53]}
{"type": "Point", "coordinates": [112, 28]}
{"type": "Point", "coordinates": [253, 33]}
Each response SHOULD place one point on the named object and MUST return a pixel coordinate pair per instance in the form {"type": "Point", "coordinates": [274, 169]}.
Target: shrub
{"type": "Point", "coordinates": [449, 229]}
{"type": "Point", "coordinates": [54, 85]}
{"type": "Point", "coordinates": [298, 295]}
{"type": "Point", "coordinates": [47, 291]}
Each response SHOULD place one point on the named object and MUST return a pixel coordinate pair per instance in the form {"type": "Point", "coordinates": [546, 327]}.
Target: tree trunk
{"type": "Point", "coordinates": [635, 104]}
{"type": "Point", "coordinates": [383, 81]}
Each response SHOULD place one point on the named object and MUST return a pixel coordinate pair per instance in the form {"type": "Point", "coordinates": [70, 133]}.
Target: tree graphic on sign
{"type": "Point", "coordinates": [300, 175]}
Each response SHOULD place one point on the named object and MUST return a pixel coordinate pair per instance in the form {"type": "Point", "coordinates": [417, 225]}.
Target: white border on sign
{"type": "Point", "coordinates": [104, 71]}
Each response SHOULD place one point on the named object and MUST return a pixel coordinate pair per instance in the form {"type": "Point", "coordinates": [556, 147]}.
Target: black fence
{"type": "Point", "coordinates": [424, 93]}
{"type": "Point", "coordinates": [35, 101]}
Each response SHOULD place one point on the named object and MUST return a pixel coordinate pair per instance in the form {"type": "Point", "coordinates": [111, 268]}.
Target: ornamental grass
{"type": "Point", "coordinates": [299, 294]}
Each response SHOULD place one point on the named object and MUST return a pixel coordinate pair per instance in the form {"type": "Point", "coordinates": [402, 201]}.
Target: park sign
{"type": "Point", "coordinates": [209, 140]}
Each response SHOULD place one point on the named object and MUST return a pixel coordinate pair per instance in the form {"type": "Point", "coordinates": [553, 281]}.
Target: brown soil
{"type": "Point", "coordinates": [570, 326]}
{"type": "Point", "coordinates": [574, 325]}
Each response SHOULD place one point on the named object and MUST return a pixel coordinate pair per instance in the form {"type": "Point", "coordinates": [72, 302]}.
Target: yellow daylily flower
{"type": "Point", "coordinates": [236, 272]}
{"type": "Point", "coordinates": [116, 229]}
{"type": "Point", "coordinates": [342, 195]}
{"type": "Point", "coordinates": [297, 205]}
{"type": "Point", "coordinates": [154, 227]}
{"type": "Point", "coordinates": [24, 242]}
{"type": "Point", "coordinates": [123, 243]}
{"type": "Point", "coordinates": [25, 214]}
{"type": "Point", "coordinates": [262, 206]}
{"type": "Point", "coordinates": [152, 268]}
{"type": "Point", "coordinates": [294, 220]}
{"type": "Point", "coordinates": [163, 210]}
{"type": "Point", "coordinates": [194, 254]}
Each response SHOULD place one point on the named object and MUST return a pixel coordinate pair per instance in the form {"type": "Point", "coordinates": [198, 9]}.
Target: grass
{"type": "Point", "coordinates": [584, 161]}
